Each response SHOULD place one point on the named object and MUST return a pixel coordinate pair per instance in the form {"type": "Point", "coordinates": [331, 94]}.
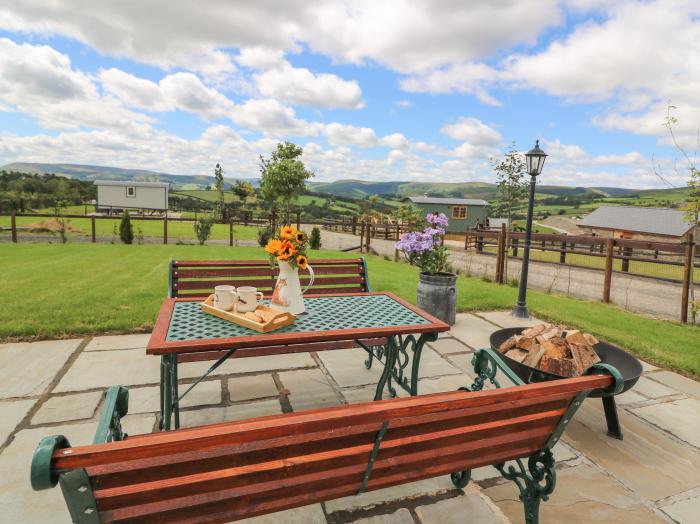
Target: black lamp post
{"type": "Point", "coordinates": [534, 160]}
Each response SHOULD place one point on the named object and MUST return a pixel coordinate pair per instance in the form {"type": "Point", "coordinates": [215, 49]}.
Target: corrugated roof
{"type": "Point", "coordinates": [131, 183]}
{"type": "Point", "coordinates": [449, 201]}
{"type": "Point", "coordinates": [651, 220]}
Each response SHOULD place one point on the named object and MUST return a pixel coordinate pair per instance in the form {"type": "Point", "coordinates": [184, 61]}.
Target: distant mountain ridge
{"type": "Point", "coordinates": [91, 173]}
{"type": "Point", "coordinates": [358, 189]}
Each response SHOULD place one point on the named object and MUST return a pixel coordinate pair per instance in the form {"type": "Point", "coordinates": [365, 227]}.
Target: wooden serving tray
{"type": "Point", "coordinates": [280, 320]}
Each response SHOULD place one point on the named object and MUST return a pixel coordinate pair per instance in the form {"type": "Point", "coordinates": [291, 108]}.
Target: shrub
{"type": "Point", "coordinates": [126, 230]}
{"type": "Point", "coordinates": [202, 228]}
{"type": "Point", "coordinates": [315, 238]}
{"type": "Point", "coordinates": [264, 235]}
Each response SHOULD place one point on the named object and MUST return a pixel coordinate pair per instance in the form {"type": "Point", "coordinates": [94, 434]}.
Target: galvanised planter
{"type": "Point", "coordinates": [437, 294]}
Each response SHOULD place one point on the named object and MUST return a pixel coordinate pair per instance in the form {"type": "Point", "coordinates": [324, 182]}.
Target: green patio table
{"type": "Point", "coordinates": [395, 329]}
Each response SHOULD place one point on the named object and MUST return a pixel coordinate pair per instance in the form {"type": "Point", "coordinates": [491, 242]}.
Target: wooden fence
{"type": "Point", "coordinates": [671, 261]}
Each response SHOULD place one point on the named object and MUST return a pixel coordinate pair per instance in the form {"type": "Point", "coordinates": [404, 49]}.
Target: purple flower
{"type": "Point", "coordinates": [436, 219]}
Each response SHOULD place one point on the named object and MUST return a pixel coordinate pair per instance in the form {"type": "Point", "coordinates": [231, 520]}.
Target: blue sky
{"type": "Point", "coordinates": [396, 90]}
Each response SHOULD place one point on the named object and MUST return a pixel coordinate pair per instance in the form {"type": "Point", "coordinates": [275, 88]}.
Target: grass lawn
{"type": "Point", "coordinates": [75, 289]}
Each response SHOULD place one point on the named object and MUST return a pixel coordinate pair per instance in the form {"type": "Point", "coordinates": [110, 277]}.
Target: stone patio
{"type": "Point", "coordinates": [653, 475]}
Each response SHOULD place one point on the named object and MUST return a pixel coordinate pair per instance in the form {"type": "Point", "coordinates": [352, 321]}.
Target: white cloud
{"type": "Point", "coordinates": [349, 135]}
{"type": "Point", "coordinates": [468, 78]}
{"type": "Point", "coordinates": [188, 93]}
{"type": "Point", "coordinates": [472, 130]}
{"type": "Point", "coordinates": [300, 86]}
{"type": "Point", "coordinates": [134, 91]}
{"type": "Point", "coordinates": [272, 117]}
{"type": "Point", "coordinates": [260, 57]}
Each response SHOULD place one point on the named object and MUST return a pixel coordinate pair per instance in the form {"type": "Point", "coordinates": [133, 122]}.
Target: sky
{"type": "Point", "coordinates": [429, 90]}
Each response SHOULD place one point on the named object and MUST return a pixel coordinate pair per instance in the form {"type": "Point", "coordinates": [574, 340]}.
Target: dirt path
{"type": "Point", "coordinates": [641, 295]}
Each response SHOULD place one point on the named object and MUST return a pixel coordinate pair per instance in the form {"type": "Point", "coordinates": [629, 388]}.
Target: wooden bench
{"type": "Point", "coordinates": [233, 470]}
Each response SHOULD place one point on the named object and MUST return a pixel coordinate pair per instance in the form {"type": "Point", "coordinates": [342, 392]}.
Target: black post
{"type": "Point", "coordinates": [520, 310]}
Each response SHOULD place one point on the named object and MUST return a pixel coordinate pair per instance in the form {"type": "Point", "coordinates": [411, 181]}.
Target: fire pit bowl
{"type": "Point", "coordinates": [626, 364]}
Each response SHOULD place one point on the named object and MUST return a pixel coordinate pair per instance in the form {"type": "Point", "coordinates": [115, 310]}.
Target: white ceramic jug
{"type": "Point", "coordinates": [288, 295]}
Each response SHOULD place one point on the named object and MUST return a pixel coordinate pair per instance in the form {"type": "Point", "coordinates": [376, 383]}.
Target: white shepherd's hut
{"type": "Point", "coordinates": [112, 195]}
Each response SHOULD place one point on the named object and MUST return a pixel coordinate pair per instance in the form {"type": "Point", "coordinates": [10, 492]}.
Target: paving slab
{"type": "Point", "coordinates": [308, 389]}
{"type": "Point", "coordinates": [442, 384]}
{"type": "Point", "coordinates": [101, 369]}
{"type": "Point", "coordinates": [454, 510]}
{"type": "Point", "coordinates": [629, 397]}
{"type": "Point", "coordinates": [646, 367]}
{"type": "Point", "coordinates": [582, 495]}
{"type": "Point", "coordinates": [648, 461]}
{"type": "Point", "coordinates": [147, 399]}
{"type": "Point", "coordinates": [562, 452]}
{"type": "Point", "coordinates": [372, 498]}
{"type": "Point", "coordinates": [248, 365]}
{"type": "Point", "coordinates": [252, 387]}
{"type": "Point", "coordinates": [652, 389]}
{"type": "Point", "coordinates": [118, 342]}
{"type": "Point", "coordinates": [505, 320]}
{"type": "Point", "coordinates": [307, 515]}
{"type": "Point", "coordinates": [684, 511]}
{"type": "Point", "coordinates": [347, 367]}
{"type": "Point", "coordinates": [401, 516]}
{"type": "Point", "coordinates": [18, 501]}
{"type": "Point", "coordinates": [681, 418]}
{"type": "Point", "coordinates": [27, 368]}
{"type": "Point", "coordinates": [448, 345]}
{"type": "Point", "coordinates": [67, 408]}
{"type": "Point", "coordinates": [472, 330]}
{"type": "Point", "coordinates": [11, 413]}
{"type": "Point", "coordinates": [200, 417]}
{"type": "Point", "coordinates": [364, 394]}
{"type": "Point", "coordinates": [679, 382]}
{"type": "Point", "coordinates": [432, 364]}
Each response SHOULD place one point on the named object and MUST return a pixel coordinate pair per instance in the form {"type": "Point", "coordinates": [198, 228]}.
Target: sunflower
{"type": "Point", "coordinates": [299, 237]}
{"type": "Point", "coordinates": [273, 246]}
{"type": "Point", "coordinates": [302, 261]}
{"type": "Point", "coordinates": [287, 232]}
{"type": "Point", "coordinates": [286, 251]}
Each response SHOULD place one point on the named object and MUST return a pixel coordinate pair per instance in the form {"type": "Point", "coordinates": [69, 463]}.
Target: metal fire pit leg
{"type": "Point", "coordinates": [614, 429]}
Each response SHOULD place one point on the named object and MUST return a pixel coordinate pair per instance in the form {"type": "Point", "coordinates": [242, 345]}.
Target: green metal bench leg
{"type": "Point", "coordinates": [461, 478]}
{"type": "Point", "coordinates": [166, 419]}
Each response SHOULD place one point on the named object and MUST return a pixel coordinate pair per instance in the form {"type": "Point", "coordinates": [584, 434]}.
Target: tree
{"type": "Point", "coordinates": [242, 189]}
{"type": "Point", "coordinates": [284, 176]}
{"type": "Point", "coordinates": [219, 186]}
{"type": "Point", "coordinates": [410, 216]}
{"type": "Point", "coordinates": [202, 228]}
{"type": "Point", "coordinates": [692, 203]}
{"type": "Point", "coordinates": [511, 188]}
{"type": "Point", "coordinates": [126, 230]}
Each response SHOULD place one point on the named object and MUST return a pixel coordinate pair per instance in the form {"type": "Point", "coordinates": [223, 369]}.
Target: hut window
{"type": "Point", "coordinates": [459, 212]}
{"type": "Point", "coordinates": [131, 191]}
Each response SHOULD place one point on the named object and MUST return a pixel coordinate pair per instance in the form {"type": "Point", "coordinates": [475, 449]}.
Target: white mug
{"type": "Point", "coordinates": [248, 298]}
{"type": "Point", "coordinates": [224, 297]}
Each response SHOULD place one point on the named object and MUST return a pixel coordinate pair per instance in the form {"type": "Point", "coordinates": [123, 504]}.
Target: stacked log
{"type": "Point", "coordinates": [553, 349]}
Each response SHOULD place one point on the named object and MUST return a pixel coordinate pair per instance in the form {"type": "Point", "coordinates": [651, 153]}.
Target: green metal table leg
{"type": "Point", "coordinates": [389, 361]}
{"type": "Point", "coordinates": [176, 403]}
{"type": "Point", "coordinates": [161, 416]}
{"type": "Point", "coordinates": [415, 364]}
{"type": "Point", "coordinates": [167, 393]}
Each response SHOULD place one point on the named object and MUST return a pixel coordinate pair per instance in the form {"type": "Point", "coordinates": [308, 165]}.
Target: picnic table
{"type": "Point", "coordinates": [387, 327]}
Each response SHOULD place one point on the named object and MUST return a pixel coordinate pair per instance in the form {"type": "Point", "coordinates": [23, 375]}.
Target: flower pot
{"type": "Point", "coordinates": [437, 295]}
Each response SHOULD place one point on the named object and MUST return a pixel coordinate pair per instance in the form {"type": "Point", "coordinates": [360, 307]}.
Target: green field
{"type": "Point", "coordinates": [76, 289]}
{"type": "Point", "coordinates": [148, 228]}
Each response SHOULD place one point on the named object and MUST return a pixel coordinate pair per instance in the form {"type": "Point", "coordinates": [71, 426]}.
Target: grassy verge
{"type": "Point", "coordinates": [52, 290]}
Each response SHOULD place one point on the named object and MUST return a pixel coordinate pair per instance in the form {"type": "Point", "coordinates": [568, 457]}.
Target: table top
{"type": "Point", "coordinates": [182, 326]}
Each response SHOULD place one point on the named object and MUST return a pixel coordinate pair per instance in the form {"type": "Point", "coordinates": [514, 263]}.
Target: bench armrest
{"type": "Point", "coordinates": [116, 406]}
{"type": "Point", "coordinates": [486, 364]}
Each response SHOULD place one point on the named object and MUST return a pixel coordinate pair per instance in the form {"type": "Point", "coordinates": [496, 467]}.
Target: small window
{"type": "Point", "coordinates": [131, 192]}
{"type": "Point", "coordinates": [459, 212]}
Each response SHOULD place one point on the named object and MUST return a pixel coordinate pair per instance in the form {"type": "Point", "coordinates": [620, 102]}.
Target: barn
{"type": "Point", "coordinates": [462, 213]}
{"type": "Point", "coordinates": [117, 195]}
{"type": "Point", "coordinates": [638, 223]}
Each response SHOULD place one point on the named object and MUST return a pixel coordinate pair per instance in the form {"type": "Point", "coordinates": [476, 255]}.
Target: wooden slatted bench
{"type": "Point", "coordinates": [197, 278]}
{"type": "Point", "coordinates": [233, 470]}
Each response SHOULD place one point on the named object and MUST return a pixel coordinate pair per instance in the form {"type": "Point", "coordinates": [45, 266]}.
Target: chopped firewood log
{"type": "Point", "coordinates": [546, 335]}
{"type": "Point", "coordinates": [556, 347]}
{"type": "Point", "coordinates": [584, 356]}
{"type": "Point", "coordinates": [575, 337]}
{"type": "Point", "coordinates": [592, 341]}
{"type": "Point", "coordinates": [534, 356]}
{"type": "Point", "coordinates": [534, 331]}
{"type": "Point", "coordinates": [509, 344]}
{"type": "Point", "coordinates": [517, 354]}
{"type": "Point", "coordinates": [563, 367]}
{"type": "Point", "coordinates": [526, 342]}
